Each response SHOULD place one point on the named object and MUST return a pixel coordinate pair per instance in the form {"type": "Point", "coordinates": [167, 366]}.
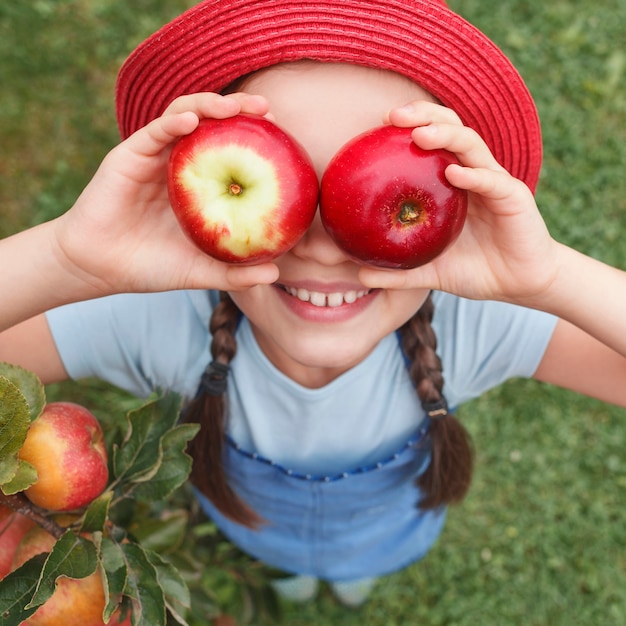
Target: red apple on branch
{"type": "Point", "coordinates": [65, 444]}
{"type": "Point", "coordinates": [13, 526]}
{"type": "Point", "coordinates": [387, 202]}
{"type": "Point", "coordinates": [242, 189]}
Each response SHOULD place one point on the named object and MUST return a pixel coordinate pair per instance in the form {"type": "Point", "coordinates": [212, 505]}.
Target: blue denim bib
{"type": "Point", "coordinates": [362, 523]}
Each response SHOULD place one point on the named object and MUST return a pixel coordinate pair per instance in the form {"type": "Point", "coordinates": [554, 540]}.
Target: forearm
{"type": "Point", "coordinates": [591, 295]}
{"type": "Point", "coordinates": [35, 278]}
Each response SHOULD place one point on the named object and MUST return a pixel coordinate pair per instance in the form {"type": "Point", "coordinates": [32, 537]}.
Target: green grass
{"type": "Point", "coordinates": [540, 539]}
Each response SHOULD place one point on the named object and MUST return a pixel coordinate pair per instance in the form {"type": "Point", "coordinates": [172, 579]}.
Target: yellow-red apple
{"type": "Point", "coordinates": [65, 444]}
{"type": "Point", "coordinates": [75, 602]}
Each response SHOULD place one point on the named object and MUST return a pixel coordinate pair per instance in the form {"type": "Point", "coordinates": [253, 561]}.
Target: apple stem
{"type": "Point", "coordinates": [235, 189]}
{"type": "Point", "coordinates": [19, 503]}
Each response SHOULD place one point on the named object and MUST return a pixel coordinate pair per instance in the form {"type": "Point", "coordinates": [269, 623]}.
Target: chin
{"type": "Point", "coordinates": [316, 360]}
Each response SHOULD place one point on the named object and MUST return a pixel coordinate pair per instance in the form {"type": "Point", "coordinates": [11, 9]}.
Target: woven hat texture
{"type": "Point", "coordinates": [218, 41]}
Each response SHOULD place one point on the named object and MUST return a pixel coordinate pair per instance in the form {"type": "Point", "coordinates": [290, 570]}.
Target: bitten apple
{"type": "Point", "coordinates": [65, 444]}
{"type": "Point", "coordinates": [387, 202]}
{"type": "Point", "coordinates": [242, 189]}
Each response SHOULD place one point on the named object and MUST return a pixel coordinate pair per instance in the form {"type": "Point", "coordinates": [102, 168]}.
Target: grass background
{"type": "Point", "coordinates": [540, 540]}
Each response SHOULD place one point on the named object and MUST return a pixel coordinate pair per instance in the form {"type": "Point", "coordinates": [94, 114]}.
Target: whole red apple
{"type": "Point", "coordinates": [75, 601]}
{"type": "Point", "coordinates": [13, 527]}
{"type": "Point", "coordinates": [242, 189]}
{"type": "Point", "coordinates": [387, 202]}
{"type": "Point", "coordinates": [65, 444]}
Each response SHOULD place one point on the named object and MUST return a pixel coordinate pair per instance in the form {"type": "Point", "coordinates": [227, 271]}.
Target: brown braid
{"type": "Point", "coordinates": [207, 448]}
{"type": "Point", "coordinates": [449, 475]}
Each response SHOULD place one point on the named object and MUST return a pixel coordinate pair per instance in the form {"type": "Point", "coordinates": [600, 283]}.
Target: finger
{"type": "Point", "coordinates": [205, 104]}
{"type": "Point", "coordinates": [498, 186]}
{"type": "Point", "coordinates": [158, 134]}
{"type": "Point", "coordinates": [205, 272]}
{"type": "Point", "coordinates": [214, 105]}
{"type": "Point", "coordinates": [251, 103]}
{"type": "Point", "coordinates": [245, 276]}
{"type": "Point", "coordinates": [182, 116]}
{"type": "Point", "coordinates": [424, 277]}
{"type": "Point", "coordinates": [463, 141]}
{"type": "Point", "coordinates": [422, 113]}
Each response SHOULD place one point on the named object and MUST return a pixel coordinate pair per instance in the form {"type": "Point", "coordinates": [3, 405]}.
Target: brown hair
{"type": "Point", "coordinates": [209, 411]}
{"type": "Point", "coordinates": [449, 473]}
{"type": "Point", "coordinates": [448, 476]}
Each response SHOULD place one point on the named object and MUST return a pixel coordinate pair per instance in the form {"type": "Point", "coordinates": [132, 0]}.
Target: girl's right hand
{"type": "Point", "coordinates": [122, 236]}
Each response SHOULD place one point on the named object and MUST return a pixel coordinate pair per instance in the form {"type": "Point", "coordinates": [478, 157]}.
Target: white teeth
{"type": "Point", "coordinates": [334, 299]}
{"type": "Point", "coordinates": [317, 299]}
{"type": "Point", "coordinates": [351, 296]}
{"type": "Point", "coordinates": [321, 299]}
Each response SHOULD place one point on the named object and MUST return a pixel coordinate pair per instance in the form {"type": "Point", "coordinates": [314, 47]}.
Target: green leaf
{"type": "Point", "coordinates": [172, 468]}
{"type": "Point", "coordinates": [14, 423]}
{"type": "Point", "coordinates": [143, 588]}
{"type": "Point", "coordinates": [175, 590]}
{"type": "Point", "coordinates": [24, 477]}
{"type": "Point", "coordinates": [97, 513]}
{"type": "Point", "coordinates": [146, 425]}
{"type": "Point", "coordinates": [115, 574]}
{"type": "Point", "coordinates": [72, 556]}
{"type": "Point", "coordinates": [29, 384]}
{"type": "Point", "coordinates": [16, 590]}
{"type": "Point", "coordinates": [164, 533]}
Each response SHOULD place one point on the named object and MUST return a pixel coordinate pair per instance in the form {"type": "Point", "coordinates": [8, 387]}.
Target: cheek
{"type": "Point", "coordinates": [249, 301]}
{"type": "Point", "coordinates": [400, 306]}
{"type": "Point", "coordinates": [258, 304]}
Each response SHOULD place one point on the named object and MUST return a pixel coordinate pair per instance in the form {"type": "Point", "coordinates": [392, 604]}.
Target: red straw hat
{"type": "Point", "coordinates": [217, 41]}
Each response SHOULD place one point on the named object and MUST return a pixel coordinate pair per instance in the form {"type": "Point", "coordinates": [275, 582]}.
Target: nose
{"type": "Point", "coordinates": [317, 245]}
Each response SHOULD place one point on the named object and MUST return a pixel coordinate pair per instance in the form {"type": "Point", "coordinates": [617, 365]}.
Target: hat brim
{"type": "Point", "coordinates": [218, 41]}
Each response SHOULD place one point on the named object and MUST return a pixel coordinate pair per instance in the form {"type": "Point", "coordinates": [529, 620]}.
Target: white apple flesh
{"type": "Point", "coordinates": [242, 189]}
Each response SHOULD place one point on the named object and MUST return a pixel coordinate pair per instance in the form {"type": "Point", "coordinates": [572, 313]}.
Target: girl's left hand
{"type": "Point", "coordinates": [505, 251]}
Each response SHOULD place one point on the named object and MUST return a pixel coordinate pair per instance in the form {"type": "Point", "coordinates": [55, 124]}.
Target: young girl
{"type": "Point", "coordinates": [324, 388]}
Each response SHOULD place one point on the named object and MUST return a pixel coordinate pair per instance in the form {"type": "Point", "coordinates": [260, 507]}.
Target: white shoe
{"type": "Point", "coordinates": [298, 589]}
{"type": "Point", "coordinates": [353, 593]}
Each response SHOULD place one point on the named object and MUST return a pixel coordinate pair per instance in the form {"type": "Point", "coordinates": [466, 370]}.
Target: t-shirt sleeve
{"type": "Point", "coordinates": [484, 343]}
{"type": "Point", "coordinates": [138, 342]}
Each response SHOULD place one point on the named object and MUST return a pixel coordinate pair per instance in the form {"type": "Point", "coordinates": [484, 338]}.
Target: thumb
{"type": "Point", "coordinates": [423, 277]}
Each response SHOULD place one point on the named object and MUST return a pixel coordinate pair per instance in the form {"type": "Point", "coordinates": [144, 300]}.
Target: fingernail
{"type": "Point", "coordinates": [430, 129]}
{"type": "Point", "coordinates": [407, 108]}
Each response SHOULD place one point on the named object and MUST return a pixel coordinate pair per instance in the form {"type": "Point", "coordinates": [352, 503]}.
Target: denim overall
{"type": "Point", "coordinates": [353, 525]}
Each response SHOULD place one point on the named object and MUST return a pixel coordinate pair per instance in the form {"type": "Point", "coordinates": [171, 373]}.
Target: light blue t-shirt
{"type": "Point", "coordinates": [141, 342]}
{"type": "Point", "coordinates": [332, 470]}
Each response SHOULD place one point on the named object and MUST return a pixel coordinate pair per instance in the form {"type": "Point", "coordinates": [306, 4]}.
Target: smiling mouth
{"type": "Point", "coordinates": [321, 299]}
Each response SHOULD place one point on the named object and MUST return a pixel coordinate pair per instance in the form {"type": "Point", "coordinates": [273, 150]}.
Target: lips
{"type": "Point", "coordinates": [325, 299]}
